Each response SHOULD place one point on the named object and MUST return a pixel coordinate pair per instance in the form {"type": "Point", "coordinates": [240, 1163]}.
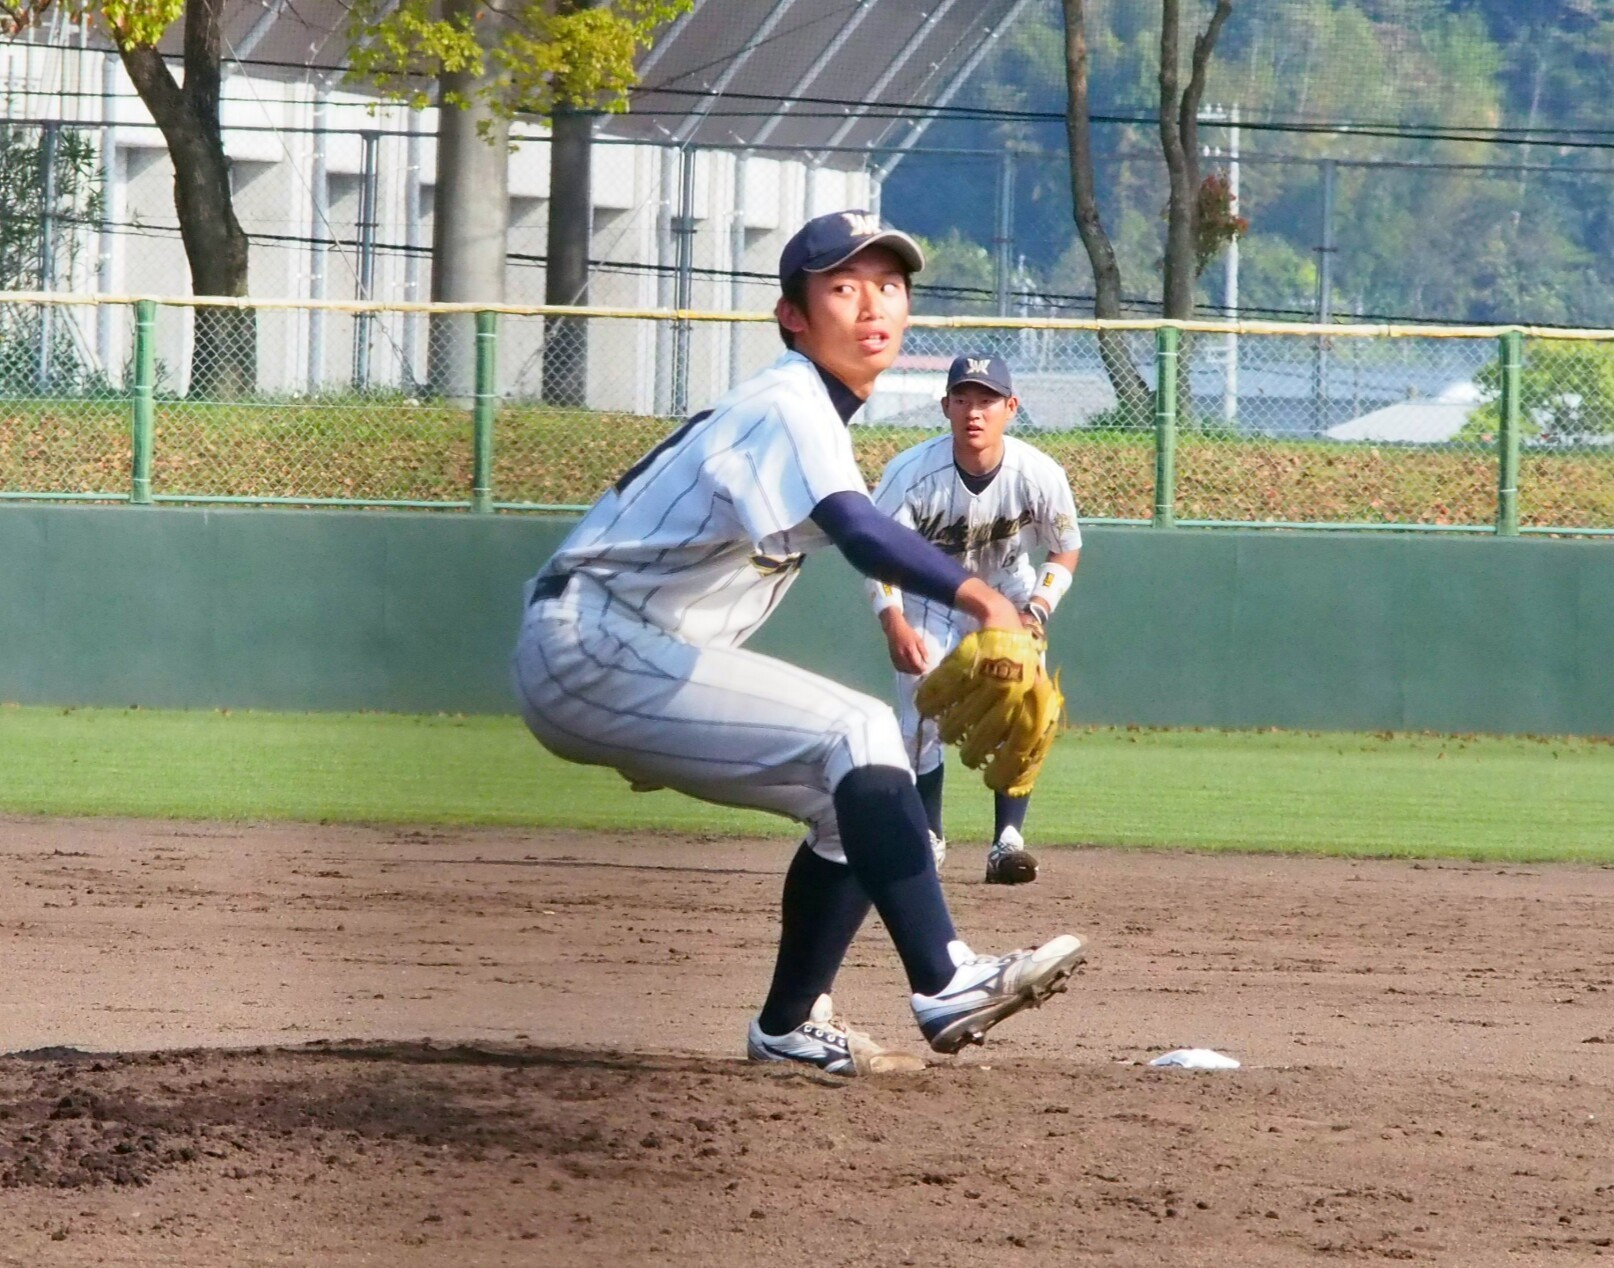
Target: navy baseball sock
{"type": "Point", "coordinates": [1008, 812]}
{"type": "Point", "coordinates": [822, 909]}
{"type": "Point", "coordinates": [882, 825]}
{"type": "Point", "coordinates": [930, 793]}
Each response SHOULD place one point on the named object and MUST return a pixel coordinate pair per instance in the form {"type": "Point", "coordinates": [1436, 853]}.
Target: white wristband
{"type": "Point", "coordinates": [1054, 580]}
{"type": "Point", "coordinates": [884, 597]}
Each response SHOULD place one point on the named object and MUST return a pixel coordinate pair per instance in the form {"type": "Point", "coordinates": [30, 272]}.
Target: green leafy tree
{"type": "Point", "coordinates": [554, 59]}
{"type": "Point", "coordinates": [25, 219]}
{"type": "Point", "coordinates": [38, 352]}
{"type": "Point", "coordinates": [960, 276]}
{"type": "Point", "coordinates": [1438, 239]}
{"type": "Point", "coordinates": [527, 58]}
{"type": "Point", "coordinates": [186, 110]}
{"type": "Point", "coordinates": [1566, 393]}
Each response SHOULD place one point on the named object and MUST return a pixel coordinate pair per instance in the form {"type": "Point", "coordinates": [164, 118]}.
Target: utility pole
{"type": "Point", "coordinates": [369, 192]}
{"type": "Point", "coordinates": [49, 135]}
{"type": "Point", "coordinates": [1003, 240]}
{"type": "Point", "coordinates": [1230, 262]}
{"type": "Point", "coordinates": [319, 188]}
{"type": "Point", "coordinates": [1230, 276]}
{"type": "Point", "coordinates": [111, 206]}
{"type": "Point", "coordinates": [684, 284]}
{"type": "Point", "coordinates": [1325, 296]}
{"type": "Point", "coordinates": [413, 220]}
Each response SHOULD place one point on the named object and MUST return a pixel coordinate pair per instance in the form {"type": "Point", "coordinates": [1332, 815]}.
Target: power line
{"type": "Point", "coordinates": [1539, 135]}
{"type": "Point", "coordinates": [1058, 301]}
{"type": "Point", "coordinates": [1576, 137]}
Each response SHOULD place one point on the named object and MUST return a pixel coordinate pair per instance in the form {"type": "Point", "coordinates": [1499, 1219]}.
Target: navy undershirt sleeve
{"type": "Point", "coordinates": [879, 547]}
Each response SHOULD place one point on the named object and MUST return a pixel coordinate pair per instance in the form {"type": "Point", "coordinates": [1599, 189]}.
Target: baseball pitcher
{"type": "Point", "coordinates": [631, 655]}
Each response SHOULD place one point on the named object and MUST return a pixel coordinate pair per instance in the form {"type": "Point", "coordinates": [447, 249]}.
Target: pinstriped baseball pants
{"type": "Point", "coordinates": [599, 686]}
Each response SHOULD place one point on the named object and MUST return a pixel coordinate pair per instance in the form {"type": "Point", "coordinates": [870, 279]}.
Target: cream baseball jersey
{"type": "Point", "coordinates": [1027, 506]}
{"type": "Point", "coordinates": [705, 534]}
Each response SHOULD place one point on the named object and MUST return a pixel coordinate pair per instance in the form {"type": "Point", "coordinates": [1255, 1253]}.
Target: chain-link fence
{"type": "Point", "coordinates": [445, 406]}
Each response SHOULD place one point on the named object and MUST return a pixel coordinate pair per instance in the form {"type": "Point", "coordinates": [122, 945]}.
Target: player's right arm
{"type": "Point", "coordinates": [904, 644]}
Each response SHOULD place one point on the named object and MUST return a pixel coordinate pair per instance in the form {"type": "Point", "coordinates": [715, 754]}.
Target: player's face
{"type": "Point", "coordinates": [854, 319]}
{"type": "Point", "coordinates": [978, 417]}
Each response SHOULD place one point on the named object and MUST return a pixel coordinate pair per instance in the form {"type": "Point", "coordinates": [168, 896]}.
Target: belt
{"type": "Point", "coordinates": [550, 587]}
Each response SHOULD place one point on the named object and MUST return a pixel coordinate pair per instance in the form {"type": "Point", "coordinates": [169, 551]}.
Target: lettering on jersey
{"type": "Point", "coordinates": [861, 224]}
{"type": "Point", "coordinates": [978, 367]}
{"type": "Point", "coordinates": [776, 565]}
{"type": "Point", "coordinates": [957, 538]}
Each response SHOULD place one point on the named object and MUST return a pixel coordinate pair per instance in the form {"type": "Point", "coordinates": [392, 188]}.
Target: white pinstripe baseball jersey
{"type": "Point", "coordinates": [630, 655]}
{"type": "Point", "coordinates": [992, 533]}
{"type": "Point", "coordinates": [704, 535]}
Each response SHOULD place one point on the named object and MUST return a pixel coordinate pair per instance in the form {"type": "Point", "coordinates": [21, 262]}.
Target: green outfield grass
{"type": "Point", "coordinates": [1454, 796]}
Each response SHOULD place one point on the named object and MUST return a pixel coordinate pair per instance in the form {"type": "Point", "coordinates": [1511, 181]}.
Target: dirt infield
{"type": "Point", "coordinates": [335, 1046]}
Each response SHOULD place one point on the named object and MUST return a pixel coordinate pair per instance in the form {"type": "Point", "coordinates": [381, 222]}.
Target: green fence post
{"type": "Point", "coordinates": [1507, 436]}
{"type": "Point", "coordinates": [487, 390]}
{"type": "Point", "coordinates": [1166, 342]}
{"type": "Point", "coordinates": [145, 413]}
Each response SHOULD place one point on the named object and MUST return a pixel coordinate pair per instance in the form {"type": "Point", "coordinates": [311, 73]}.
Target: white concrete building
{"type": "Point", "coordinates": [303, 147]}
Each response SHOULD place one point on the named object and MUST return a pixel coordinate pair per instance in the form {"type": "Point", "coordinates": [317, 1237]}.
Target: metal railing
{"type": "Point", "coordinates": [505, 408]}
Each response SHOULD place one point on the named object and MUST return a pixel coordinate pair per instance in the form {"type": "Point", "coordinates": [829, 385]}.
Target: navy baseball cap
{"type": "Point", "coordinates": [825, 242]}
{"type": "Point", "coordinates": [983, 368]}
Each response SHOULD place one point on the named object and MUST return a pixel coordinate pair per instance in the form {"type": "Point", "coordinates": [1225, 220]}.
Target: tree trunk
{"type": "Point", "coordinates": [1131, 392]}
{"type": "Point", "coordinates": [224, 355]}
{"type": "Point", "coordinates": [571, 214]}
{"type": "Point", "coordinates": [470, 217]}
{"type": "Point", "coordinates": [1179, 139]}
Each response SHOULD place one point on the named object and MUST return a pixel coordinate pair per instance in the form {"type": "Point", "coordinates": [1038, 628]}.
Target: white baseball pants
{"type": "Point", "coordinates": [921, 739]}
{"type": "Point", "coordinates": [597, 685]}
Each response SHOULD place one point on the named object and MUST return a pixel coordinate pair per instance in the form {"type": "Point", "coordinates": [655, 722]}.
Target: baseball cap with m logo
{"type": "Point", "coordinates": [826, 242]}
{"type": "Point", "coordinates": [983, 368]}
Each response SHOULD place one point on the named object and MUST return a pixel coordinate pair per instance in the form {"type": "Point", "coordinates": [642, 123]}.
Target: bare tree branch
{"type": "Point", "coordinates": [1194, 94]}
{"type": "Point", "coordinates": [1131, 392]}
{"type": "Point", "coordinates": [1179, 140]}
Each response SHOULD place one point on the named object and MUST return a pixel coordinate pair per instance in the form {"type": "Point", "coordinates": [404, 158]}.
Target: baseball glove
{"type": "Point", "coordinates": [992, 696]}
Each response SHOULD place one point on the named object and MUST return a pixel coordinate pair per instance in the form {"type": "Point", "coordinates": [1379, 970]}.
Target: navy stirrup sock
{"type": "Point", "coordinates": [883, 828]}
{"type": "Point", "coordinates": [930, 794]}
{"type": "Point", "coordinates": [1008, 812]}
{"type": "Point", "coordinates": [823, 908]}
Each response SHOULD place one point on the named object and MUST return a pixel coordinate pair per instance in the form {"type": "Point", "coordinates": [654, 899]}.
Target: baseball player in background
{"type": "Point", "coordinates": [989, 501]}
{"type": "Point", "coordinates": [630, 656]}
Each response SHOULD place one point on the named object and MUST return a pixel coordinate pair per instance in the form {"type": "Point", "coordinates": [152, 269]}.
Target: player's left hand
{"type": "Point", "coordinates": [993, 697]}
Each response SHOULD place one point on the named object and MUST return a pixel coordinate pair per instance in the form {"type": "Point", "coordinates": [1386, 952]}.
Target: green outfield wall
{"type": "Point", "coordinates": [415, 612]}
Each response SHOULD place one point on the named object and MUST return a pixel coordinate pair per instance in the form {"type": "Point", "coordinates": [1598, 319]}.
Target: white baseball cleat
{"type": "Point", "coordinates": [1009, 862]}
{"type": "Point", "coordinates": [938, 849]}
{"type": "Point", "coordinates": [987, 988]}
{"type": "Point", "coordinates": [829, 1044]}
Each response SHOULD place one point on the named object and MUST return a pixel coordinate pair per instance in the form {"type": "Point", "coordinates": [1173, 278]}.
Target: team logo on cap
{"type": "Point", "coordinates": [861, 224]}
{"type": "Point", "coordinates": [979, 367]}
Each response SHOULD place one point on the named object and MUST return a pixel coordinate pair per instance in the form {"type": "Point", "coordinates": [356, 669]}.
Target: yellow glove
{"type": "Point", "coordinates": [992, 696]}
